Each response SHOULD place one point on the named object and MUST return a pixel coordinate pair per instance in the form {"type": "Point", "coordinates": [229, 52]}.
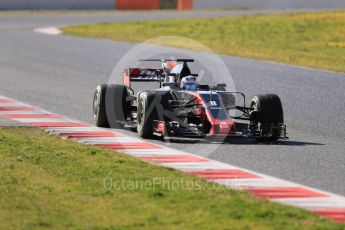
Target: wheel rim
{"type": "Point", "coordinates": [254, 105]}
{"type": "Point", "coordinates": [254, 124]}
{"type": "Point", "coordinates": [140, 115]}
{"type": "Point", "coordinates": [96, 104]}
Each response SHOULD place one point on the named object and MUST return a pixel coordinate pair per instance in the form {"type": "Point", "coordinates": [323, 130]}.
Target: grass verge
{"type": "Point", "coordinates": [46, 182]}
{"type": "Point", "coordinates": [307, 39]}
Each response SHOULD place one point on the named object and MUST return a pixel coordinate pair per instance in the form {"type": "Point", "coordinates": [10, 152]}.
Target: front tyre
{"type": "Point", "coordinates": [146, 114]}
{"type": "Point", "coordinates": [267, 116]}
{"type": "Point", "coordinates": [152, 105]}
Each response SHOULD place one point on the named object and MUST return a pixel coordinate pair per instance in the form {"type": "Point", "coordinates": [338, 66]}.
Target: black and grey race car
{"type": "Point", "coordinates": [182, 107]}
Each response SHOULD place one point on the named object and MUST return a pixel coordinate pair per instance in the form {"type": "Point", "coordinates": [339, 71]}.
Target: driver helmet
{"type": "Point", "coordinates": [189, 83]}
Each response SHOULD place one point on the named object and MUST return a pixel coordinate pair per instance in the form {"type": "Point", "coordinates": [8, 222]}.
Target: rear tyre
{"type": "Point", "coordinates": [268, 112]}
{"type": "Point", "coordinates": [110, 106]}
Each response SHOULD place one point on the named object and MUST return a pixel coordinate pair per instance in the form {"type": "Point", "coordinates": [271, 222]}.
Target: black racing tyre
{"type": "Point", "coordinates": [151, 106]}
{"type": "Point", "coordinates": [110, 106]}
{"type": "Point", "coordinates": [269, 111]}
{"type": "Point", "coordinates": [269, 108]}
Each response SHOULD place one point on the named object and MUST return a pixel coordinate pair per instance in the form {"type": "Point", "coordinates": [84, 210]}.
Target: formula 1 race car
{"type": "Point", "coordinates": [182, 107]}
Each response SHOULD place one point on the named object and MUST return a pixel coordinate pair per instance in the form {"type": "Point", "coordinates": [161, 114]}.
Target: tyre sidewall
{"type": "Point", "coordinates": [110, 107]}
{"type": "Point", "coordinates": [152, 104]}
{"type": "Point", "coordinates": [145, 121]}
{"type": "Point", "coordinates": [99, 107]}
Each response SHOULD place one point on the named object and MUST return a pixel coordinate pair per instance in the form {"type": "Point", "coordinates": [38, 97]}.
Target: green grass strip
{"type": "Point", "coordinates": [306, 39]}
{"type": "Point", "coordinates": [47, 182]}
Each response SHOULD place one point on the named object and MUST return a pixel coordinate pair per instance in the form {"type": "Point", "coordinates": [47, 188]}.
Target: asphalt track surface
{"type": "Point", "coordinates": [59, 74]}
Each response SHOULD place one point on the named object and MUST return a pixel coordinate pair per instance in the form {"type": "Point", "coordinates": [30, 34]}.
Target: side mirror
{"type": "Point", "coordinates": [221, 87]}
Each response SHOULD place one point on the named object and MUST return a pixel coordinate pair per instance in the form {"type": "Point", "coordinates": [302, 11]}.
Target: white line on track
{"type": "Point", "coordinates": [108, 140]}
{"type": "Point", "coordinates": [314, 203]}
{"type": "Point", "coordinates": [52, 30]}
{"type": "Point", "coordinates": [29, 120]}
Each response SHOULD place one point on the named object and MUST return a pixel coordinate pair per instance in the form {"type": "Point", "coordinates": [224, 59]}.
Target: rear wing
{"type": "Point", "coordinates": [142, 75]}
